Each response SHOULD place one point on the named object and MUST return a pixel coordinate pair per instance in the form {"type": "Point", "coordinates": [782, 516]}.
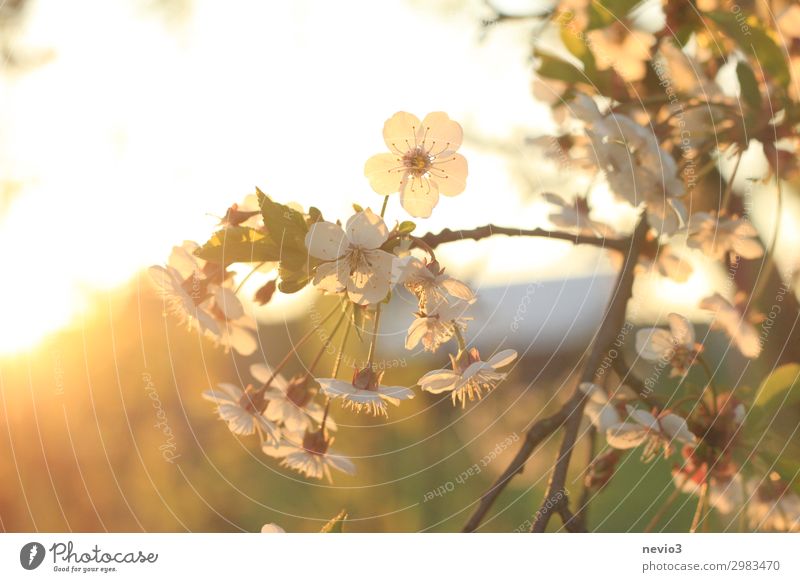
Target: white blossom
{"type": "Point", "coordinates": [353, 259]}
{"type": "Point", "coordinates": [243, 410]}
{"type": "Point", "coordinates": [675, 347]}
{"type": "Point", "coordinates": [429, 282]}
{"type": "Point", "coordinates": [290, 403]}
{"type": "Point", "coordinates": [469, 376]}
{"type": "Point", "coordinates": [654, 432]}
{"type": "Point", "coordinates": [436, 324]}
{"type": "Point", "coordinates": [716, 236]}
{"type": "Point", "coordinates": [309, 454]}
{"type": "Point", "coordinates": [365, 392]}
{"type": "Point", "coordinates": [743, 334]}
{"type": "Point", "coordinates": [423, 162]}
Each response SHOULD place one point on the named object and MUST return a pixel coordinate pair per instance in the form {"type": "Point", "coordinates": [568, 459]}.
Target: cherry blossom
{"type": "Point", "coordinates": [716, 236]}
{"type": "Point", "coordinates": [243, 410]}
{"type": "Point", "coordinates": [654, 432]}
{"type": "Point", "coordinates": [309, 454]}
{"type": "Point", "coordinates": [728, 318]}
{"type": "Point", "coordinates": [353, 259]}
{"type": "Point", "coordinates": [423, 162]}
{"type": "Point", "coordinates": [290, 402]}
{"type": "Point", "coordinates": [469, 376]}
{"type": "Point", "coordinates": [675, 347]}
{"type": "Point", "coordinates": [365, 392]}
{"type": "Point", "coordinates": [428, 281]}
{"type": "Point", "coordinates": [436, 324]}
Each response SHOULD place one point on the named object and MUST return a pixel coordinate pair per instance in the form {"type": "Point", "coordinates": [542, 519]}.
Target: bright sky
{"type": "Point", "coordinates": [138, 127]}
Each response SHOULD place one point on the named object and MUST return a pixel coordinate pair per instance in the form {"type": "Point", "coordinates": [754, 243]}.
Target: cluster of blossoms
{"type": "Point", "coordinates": [362, 264]}
{"type": "Point", "coordinates": [708, 440]}
{"type": "Point", "coordinates": [642, 108]}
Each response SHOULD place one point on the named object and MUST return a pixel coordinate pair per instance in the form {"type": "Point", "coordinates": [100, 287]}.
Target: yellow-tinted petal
{"type": "Point", "coordinates": [439, 133]}
{"type": "Point", "coordinates": [385, 173]}
{"type": "Point", "coordinates": [419, 196]}
{"type": "Point", "coordinates": [450, 174]}
{"type": "Point", "coordinates": [399, 132]}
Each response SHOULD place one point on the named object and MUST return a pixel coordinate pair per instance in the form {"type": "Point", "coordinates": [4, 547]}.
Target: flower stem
{"type": "Point", "coordinates": [296, 345]}
{"type": "Point", "coordinates": [662, 511]}
{"type": "Point", "coordinates": [769, 260]}
{"type": "Point", "coordinates": [246, 277]}
{"type": "Point", "coordinates": [326, 343]}
{"type": "Point", "coordinates": [701, 505]}
{"type": "Point", "coordinates": [385, 204]}
{"type": "Point", "coordinates": [729, 186]}
{"type": "Point", "coordinates": [711, 383]}
{"type": "Point", "coordinates": [375, 329]}
{"type": "Point", "coordinates": [462, 345]}
{"type": "Point", "coordinates": [335, 372]}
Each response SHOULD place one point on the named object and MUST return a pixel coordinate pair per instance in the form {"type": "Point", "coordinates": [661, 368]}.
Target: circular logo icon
{"type": "Point", "coordinates": [31, 555]}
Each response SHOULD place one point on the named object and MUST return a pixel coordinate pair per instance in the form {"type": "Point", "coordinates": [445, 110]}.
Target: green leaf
{"type": "Point", "coordinates": [238, 244]}
{"type": "Point", "coordinates": [286, 226]}
{"type": "Point", "coordinates": [749, 85]}
{"type": "Point", "coordinates": [314, 216]}
{"type": "Point", "coordinates": [778, 385]}
{"type": "Point", "coordinates": [755, 41]}
{"type": "Point", "coordinates": [603, 13]}
{"type": "Point", "coordinates": [335, 525]}
{"type": "Point", "coordinates": [406, 227]}
{"type": "Point", "coordinates": [552, 67]}
{"type": "Point", "coordinates": [772, 425]}
{"type": "Point", "coordinates": [295, 270]}
{"type": "Point", "coordinates": [358, 207]}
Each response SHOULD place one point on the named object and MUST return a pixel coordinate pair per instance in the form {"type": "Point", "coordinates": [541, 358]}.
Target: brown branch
{"type": "Point", "coordinates": [535, 435]}
{"type": "Point", "coordinates": [582, 513]}
{"type": "Point", "coordinates": [613, 321]}
{"type": "Point", "coordinates": [435, 239]}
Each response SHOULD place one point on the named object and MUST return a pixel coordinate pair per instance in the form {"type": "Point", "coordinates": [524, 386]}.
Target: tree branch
{"type": "Point", "coordinates": [613, 321]}
{"type": "Point", "coordinates": [535, 435]}
{"type": "Point", "coordinates": [435, 239]}
{"type": "Point", "coordinates": [544, 428]}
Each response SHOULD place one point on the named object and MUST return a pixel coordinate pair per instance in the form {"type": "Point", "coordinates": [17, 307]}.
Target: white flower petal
{"type": "Point", "coordinates": [371, 281]}
{"type": "Point", "coordinates": [419, 196]}
{"type": "Point", "coordinates": [682, 329]}
{"type": "Point", "coordinates": [366, 230]}
{"type": "Point", "coordinates": [385, 173]}
{"type": "Point", "coordinates": [450, 174]}
{"type": "Point", "coordinates": [626, 435]}
{"type": "Point", "coordinates": [653, 343]}
{"type": "Point", "coordinates": [458, 289]}
{"type": "Point", "coordinates": [502, 358]}
{"type": "Point", "coordinates": [335, 388]}
{"type": "Point", "coordinates": [439, 133]}
{"type": "Point", "coordinates": [326, 241]}
{"type": "Point", "coordinates": [400, 132]}
{"type": "Point", "coordinates": [332, 277]}
{"type": "Point", "coordinates": [674, 427]}
{"type": "Point", "coordinates": [396, 392]}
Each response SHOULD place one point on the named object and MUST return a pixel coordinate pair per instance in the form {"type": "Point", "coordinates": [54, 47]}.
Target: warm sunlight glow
{"type": "Point", "coordinates": [115, 154]}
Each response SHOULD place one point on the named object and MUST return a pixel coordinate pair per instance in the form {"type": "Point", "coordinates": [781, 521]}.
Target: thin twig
{"type": "Point", "coordinates": [435, 239]}
{"type": "Point", "coordinates": [613, 321]}
{"type": "Point", "coordinates": [535, 435]}
{"type": "Point", "coordinates": [581, 515]}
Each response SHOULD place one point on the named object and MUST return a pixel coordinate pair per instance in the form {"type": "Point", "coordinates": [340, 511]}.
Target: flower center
{"type": "Point", "coordinates": [298, 394]}
{"type": "Point", "coordinates": [417, 161]}
{"type": "Point", "coordinates": [253, 401]}
{"type": "Point", "coordinates": [682, 357]}
{"type": "Point", "coordinates": [315, 443]}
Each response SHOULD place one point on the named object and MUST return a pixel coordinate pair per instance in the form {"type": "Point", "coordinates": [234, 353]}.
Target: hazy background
{"type": "Point", "coordinates": [127, 127]}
